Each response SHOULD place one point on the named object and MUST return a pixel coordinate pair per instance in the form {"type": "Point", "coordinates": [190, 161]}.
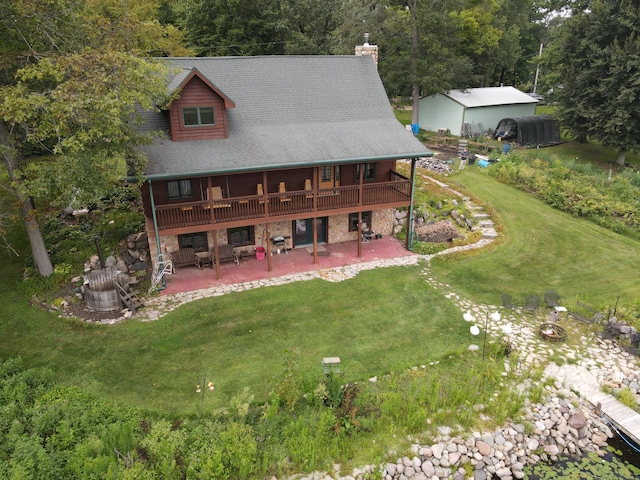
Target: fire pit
{"type": "Point", "coordinates": [552, 332]}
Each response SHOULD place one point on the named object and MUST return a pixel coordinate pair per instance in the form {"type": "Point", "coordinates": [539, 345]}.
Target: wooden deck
{"type": "Point", "coordinates": [622, 417]}
{"type": "Point", "coordinates": [235, 211]}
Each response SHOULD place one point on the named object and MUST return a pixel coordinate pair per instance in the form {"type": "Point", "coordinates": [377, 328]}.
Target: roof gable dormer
{"type": "Point", "coordinates": [200, 110]}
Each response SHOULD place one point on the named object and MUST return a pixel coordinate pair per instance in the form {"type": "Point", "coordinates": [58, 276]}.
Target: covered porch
{"type": "Point", "coordinates": [298, 260]}
{"type": "Point", "coordinates": [235, 211]}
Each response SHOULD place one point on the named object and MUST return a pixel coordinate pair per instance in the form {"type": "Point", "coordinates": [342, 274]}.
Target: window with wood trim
{"type": "Point", "coordinates": [353, 221]}
{"type": "Point", "coordinates": [241, 236]}
{"type": "Point", "coordinates": [197, 241]}
{"type": "Point", "coordinates": [369, 171]}
{"type": "Point", "coordinates": [179, 189]}
{"type": "Point", "coordinates": [198, 116]}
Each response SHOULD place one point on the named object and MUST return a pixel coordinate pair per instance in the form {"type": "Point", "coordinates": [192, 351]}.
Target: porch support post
{"type": "Point", "coordinates": [209, 196]}
{"type": "Point", "coordinates": [315, 240]}
{"type": "Point", "coordinates": [268, 240]}
{"type": "Point", "coordinates": [359, 234]}
{"type": "Point", "coordinates": [215, 253]}
{"type": "Point", "coordinates": [265, 193]}
{"type": "Point", "coordinates": [314, 175]}
{"type": "Point", "coordinates": [360, 200]}
{"type": "Point", "coordinates": [155, 231]}
{"type": "Point", "coordinates": [410, 216]}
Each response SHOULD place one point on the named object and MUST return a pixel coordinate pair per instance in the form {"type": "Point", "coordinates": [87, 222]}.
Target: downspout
{"type": "Point", "coordinates": [155, 231]}
{"type": "Point", "coordinates": [410, 216]}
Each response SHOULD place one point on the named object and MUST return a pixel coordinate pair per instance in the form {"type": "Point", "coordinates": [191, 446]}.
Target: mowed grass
{"type": "Point", "coordinates": [543, 249]}
{"type": "Point", "coordinates": [381, 321]}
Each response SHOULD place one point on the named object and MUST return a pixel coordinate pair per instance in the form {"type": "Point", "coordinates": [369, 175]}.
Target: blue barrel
{"type": "Point", "coordinates": [415, 128]}
{"type": "Point", "coordinates": [483, 163]}
{"type": "Point", "coordinates": [506, 148]}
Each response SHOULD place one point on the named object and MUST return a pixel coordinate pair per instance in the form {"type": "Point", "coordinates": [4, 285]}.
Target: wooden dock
{"type": "Point", "coordinates": [625, 419]}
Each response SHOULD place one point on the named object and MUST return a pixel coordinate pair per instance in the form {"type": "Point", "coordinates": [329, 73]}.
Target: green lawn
{"type": "Point", "coordinates": [543, 249]}
{"type": "Point", "coordinates": [381, 321]}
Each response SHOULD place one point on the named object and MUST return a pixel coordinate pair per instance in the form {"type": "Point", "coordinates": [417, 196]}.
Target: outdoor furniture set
{"type": "Point", "coordinates": [186, 257]}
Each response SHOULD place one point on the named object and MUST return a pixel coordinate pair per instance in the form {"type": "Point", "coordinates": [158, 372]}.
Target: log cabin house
{"type": "Point", "coordinates": [300, 147]}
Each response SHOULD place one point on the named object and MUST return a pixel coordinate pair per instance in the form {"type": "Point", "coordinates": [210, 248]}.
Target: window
{"type": "Point", "coordinates": [198, 116]}
{"type": "Point", "coordinates": [325, 173]}
{"type": "Point", "coordinates": [179, 189]}
{"type": "Point", "coordinates": [241, 236]}
{"type": "Point", "coordinates": [197, 241]}
{"type": "Point", "coordinates": [353, 221]}
{"type": "Point", "coordinates": [369, 171]}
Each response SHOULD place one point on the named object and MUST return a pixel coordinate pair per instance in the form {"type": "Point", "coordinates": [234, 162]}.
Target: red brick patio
{"type": "Point", "coordinates": [298, 260]}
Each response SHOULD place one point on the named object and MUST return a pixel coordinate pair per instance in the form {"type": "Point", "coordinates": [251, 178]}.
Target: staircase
{"type": "Point", "coordinates": [129, 297]}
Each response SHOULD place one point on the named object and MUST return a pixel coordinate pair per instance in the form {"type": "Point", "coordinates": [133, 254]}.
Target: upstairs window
{"type": "Point", "coordinates": [198, 116]}
{"type": "Point", "coordinates": [179, 189]}
{"type": "Point", "coordinates": [369, 172]}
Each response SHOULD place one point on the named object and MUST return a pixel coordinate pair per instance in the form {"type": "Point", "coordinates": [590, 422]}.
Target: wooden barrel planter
{"type": "Point", "coordinates": [102, 300]}
{"type": "Point", "coordinates": [101, 280]}
{"type": "Point", "coordinates": [101, 293]}
{"type": "Point", "coordinates": [553, 332]}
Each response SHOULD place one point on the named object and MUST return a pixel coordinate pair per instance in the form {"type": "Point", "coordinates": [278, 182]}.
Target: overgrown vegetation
{"type": "Point", "coordinates": [72, 240]}
{"type": "Point", "coordinates": [51, 431]}
{"type": "Point", "coordinates": [576, 187]}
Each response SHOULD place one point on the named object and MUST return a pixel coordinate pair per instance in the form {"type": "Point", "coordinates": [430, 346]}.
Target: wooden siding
{"type": "Point", "coordinates": [197, 94]}
{"type": "Point", "coordinates": [201, 214]}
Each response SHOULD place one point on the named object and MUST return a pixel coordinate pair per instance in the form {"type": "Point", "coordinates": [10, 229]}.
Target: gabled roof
{"type": "Point", "coordinates": [289, 111]}
{"type": "Point", "coordinates": [489, 96]}
{"type": "Point", "coordinates": [184, 76]}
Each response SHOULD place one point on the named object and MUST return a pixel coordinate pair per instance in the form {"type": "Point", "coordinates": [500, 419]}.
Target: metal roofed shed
{"type": "Point", "coordinates": [533, 130]}
{"type": "Point", "coordinates": [473, 111]}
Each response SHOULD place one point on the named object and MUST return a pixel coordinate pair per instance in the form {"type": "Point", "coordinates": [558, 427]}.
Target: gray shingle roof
{"type": "Point", "coordinates": [289, 111]}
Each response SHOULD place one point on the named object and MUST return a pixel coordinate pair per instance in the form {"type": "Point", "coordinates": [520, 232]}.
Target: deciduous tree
{"type": "Point", "coordinates": [73, 74]}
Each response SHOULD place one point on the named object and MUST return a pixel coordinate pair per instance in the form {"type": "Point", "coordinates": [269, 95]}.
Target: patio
{"type": "Point", "coordinates": [298, 260]}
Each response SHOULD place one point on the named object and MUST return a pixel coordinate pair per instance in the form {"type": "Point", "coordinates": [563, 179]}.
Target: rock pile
{"type": "Point", "coordinates": [435, 164]}
{"type": "Point", "coordinates": [442, 231]}
{"type": "Point", "coordinates": [132, 257]}
{"type": "Point", "coordinates": [622, 332]}
{"type": "Point", "coordinates": [558, 429]}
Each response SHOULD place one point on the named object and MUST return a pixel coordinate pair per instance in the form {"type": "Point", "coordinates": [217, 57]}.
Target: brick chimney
{"type": "Point", "coordinates": [367, 49]}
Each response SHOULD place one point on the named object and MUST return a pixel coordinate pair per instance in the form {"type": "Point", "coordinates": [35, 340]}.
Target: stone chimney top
{"type": "Point", "coordinates": [367, 49]}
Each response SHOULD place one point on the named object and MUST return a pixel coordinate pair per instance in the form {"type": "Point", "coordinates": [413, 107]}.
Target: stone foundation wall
{"type": "Point", "coordinates": [338, 231]}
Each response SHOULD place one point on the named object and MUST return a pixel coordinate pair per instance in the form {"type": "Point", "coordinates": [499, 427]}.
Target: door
{"type": "Point", "coordinates": [303, 231]}
{"type": "Point", "coordinates": [329, 176]}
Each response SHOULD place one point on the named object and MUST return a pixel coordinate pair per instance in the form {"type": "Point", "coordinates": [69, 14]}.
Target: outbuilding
{"type": "Point", "coordinates": [473, 111]}
{"type": "Point", "coordinates": [534, 130]}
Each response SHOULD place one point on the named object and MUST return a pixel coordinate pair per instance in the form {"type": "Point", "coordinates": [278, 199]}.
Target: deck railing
{"type": "Point", "coordinates": [276, 205]}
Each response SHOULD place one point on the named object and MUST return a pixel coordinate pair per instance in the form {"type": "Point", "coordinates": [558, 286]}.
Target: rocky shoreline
{"type": "Point", "coordinates": [565, 424]}
{"type": "Point", "coordinates": [560, 429]}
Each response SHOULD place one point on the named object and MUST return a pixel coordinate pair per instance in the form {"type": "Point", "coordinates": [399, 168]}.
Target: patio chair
{"type": "Point", "coordinates": [531, 303]}
{"type": "Point", "coordinates": [282, 188]}
{"type": "Point", "coordinates": [551, 298]}
{"type": "Point", "coordinates": [307, 187]}
{"type": "Point", "coordinates": [508, 301]}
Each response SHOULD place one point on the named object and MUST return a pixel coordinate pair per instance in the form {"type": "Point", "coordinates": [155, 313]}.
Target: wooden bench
{"type": "Point", "coordinates": [586, 313]}
{"type": "Point", "coordinates": [183, 257]}
{"type": "Point", "coordinates": [227, 254]}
